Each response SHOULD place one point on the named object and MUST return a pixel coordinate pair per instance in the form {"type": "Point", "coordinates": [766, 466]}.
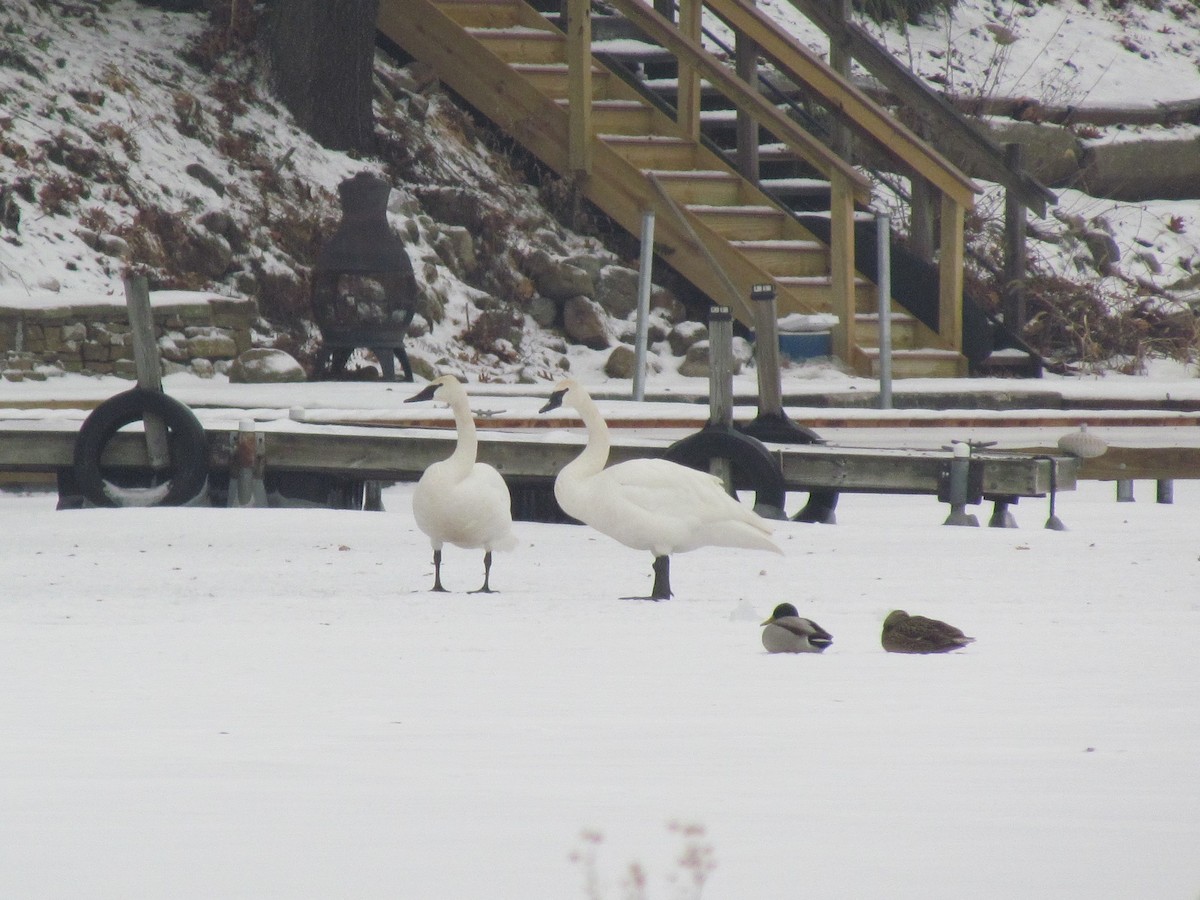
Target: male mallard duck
{"type": "Point", "coordinates": [787, 632]}
{"type": "Point", "coordinates": [458, 500]}
{"type": "Point", "coordinates": [649, 504]}
{"type": "Point", "coordinates": [903, 633]}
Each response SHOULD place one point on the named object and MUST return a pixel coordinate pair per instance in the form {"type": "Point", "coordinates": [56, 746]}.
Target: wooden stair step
{"type": "Point", "coordinates": [653, 151]}
{"type": "Point", "coordinates": [904, 328]}
{"type": "Point", "coordinates": [919, 363]}
{"type": "Point", "coordinates": [624, 118]}
{"type": "Point", "coordinates": [627, 50]}
{"type": "Point", "coordinates": [746, 222]}
{"type": "Point", "coordinates": [523, 44]}
{"type": "Point", "coordinates": [796, 187]}
{"type": "Point", "coordinates": [481, 13]}
{"type": "Point", "coordinates": [786, 257]}
{"type": "Point", "coordinates": [553, 79]}
{"type": "Point", "coordinates": [700, 185]}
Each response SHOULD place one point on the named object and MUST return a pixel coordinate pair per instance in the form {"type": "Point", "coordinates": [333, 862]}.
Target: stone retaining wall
{"type": "Point", "coordinates": [202, 334]}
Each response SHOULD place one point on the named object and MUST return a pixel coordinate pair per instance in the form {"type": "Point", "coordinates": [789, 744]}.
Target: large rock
{"type": "Point", "coordinates": [617, 290]}
{"type": "Point", "coordinates": [685, 334]}
{"type": "Point", "coordinates": [557, 279]}
{"type": "Point", "coordinates": [264, 365]}
{"type": "Point", "coordinates": [584, 322]}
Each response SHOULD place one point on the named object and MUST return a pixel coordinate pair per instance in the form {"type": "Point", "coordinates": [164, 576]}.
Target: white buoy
{"type": "Point", "coordinates": [1082, 444]}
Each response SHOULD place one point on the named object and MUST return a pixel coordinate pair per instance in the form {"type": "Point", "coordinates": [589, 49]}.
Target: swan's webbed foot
{"type": "Point", "coordinates": [487, 574]}
{"type": "Point", "coordinates": [437, 573]}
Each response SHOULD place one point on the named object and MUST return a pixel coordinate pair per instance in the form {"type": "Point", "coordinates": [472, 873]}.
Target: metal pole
{"type": "Point", "coordinates": [643, 305]}
{"type": "Point", "coordinates": [883, 244]}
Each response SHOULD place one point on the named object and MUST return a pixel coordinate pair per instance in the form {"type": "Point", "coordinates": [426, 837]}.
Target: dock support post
{"type": "Point", "coordinates": [1165, 491]}
{"type": "Point", "coordinates": [1125, 491]}
{"type": "Point", "coordinates": [960, 469]}
{"type": "Point", "coordinates": [1002, 516]}
{"type": "Point", "coordinates": [720, 382]}
{"type": "Point", "coordinates": [247, 463]}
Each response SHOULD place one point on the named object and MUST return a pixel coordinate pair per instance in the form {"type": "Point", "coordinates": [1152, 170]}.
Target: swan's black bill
{"type": "Point", "coordinates": [425, 393]}
{"type": "Point", "coordinates": [554, 402]}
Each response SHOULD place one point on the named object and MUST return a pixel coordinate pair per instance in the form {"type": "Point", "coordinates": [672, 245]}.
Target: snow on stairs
{"type": "Point", "coordinates": [510, 62]}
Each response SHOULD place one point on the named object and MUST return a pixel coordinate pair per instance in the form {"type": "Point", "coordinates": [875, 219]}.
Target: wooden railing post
{"type": "Point", "coordinates": [687, 103]}
{"type": "Point", "coordinates": [579, 95]}
{"type": "Point", "coordinates": [839, 61]}
{"type": "Point", "coordinates": [746, 51]}
{"type": "Point", "coordinates": [922, 223]}
{"type": "Point", "coordinates": [1014, 246]}
{"type": "Point", "coordinates": [841, 267]}
{"type": "Point", "coordinates": [950, 274]}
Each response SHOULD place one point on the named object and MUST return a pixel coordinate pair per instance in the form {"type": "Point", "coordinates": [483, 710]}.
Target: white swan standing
{"type": "Point", "coordinates": [649, 504]}
{"type": "Point", "coordinates": [458, 500]}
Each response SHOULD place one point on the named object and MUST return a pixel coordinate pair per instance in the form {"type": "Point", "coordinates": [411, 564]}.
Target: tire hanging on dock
{"type": "Point", "coordinates": [188, 447]}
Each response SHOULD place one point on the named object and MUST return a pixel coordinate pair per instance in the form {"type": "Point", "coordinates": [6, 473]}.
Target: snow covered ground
{"type": "Point", "coordinates": [270, 703]}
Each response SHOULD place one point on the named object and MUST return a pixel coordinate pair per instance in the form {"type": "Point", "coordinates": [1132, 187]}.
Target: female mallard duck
{"type": "Point", "coordinates": [458, 500]}
{"type": "Point", "coordinates": [903, 633]}
{"type": "Point", "coordinates": [649, 504]}
{"type": "Point", "coordinates": [787, 632]}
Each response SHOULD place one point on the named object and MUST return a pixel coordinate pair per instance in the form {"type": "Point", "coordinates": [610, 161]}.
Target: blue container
{"type": "Point", "coordinates": [801, 345]}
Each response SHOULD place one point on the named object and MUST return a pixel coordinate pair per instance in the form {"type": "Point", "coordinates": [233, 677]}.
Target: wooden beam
{"type": "Point", "coordinates": [579, 95]}
{"type": "Point", "coordinates": [950, 274]}
{"type": "Point", "coordinates": [687, 103]}
{"type": "Point", "coordinates": [841, 269]}
{"type": "Point", "coordinates": [403, 454]}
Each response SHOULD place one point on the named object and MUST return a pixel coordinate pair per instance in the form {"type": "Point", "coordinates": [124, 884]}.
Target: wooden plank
{"type": "Point", "coordinates": [403, 454]}
{"type": "Point", "coordinates": [687, 99]}
{"type": "Point", "coordinates": [950, 274]}
{"type": "Point", "coordinates": [149, 367]}
{"type": "Point", "coordinates": [579, 94]}
{"type": "Point", "coordinates": [1137, 463]}
{"type": "Point", "coordinates": [842, 273]}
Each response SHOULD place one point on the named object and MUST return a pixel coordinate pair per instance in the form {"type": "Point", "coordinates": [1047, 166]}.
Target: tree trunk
{"type": "Point", "coordinates": [322, 55]}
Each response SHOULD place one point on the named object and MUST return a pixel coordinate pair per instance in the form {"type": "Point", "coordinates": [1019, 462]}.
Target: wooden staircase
{"type": "Point", "coordinates": [627, 154]}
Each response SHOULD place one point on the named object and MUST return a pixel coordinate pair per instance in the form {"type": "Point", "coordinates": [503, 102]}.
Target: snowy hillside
{"type": "Point", "coordinates": [132, 135]}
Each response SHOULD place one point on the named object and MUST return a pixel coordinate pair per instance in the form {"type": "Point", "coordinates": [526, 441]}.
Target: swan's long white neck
{"type": "Point", "coordinates": [464, 454]}
{"type": "Point", "coordinates": [595, 455]}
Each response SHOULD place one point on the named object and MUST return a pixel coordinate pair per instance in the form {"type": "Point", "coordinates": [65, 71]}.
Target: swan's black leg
{"type": "Point", "coordinates": [662, 578]}
{"type": "Point", "coordinates": [437, 571]}
{"type": "Point", "coordinates": [487, 573]}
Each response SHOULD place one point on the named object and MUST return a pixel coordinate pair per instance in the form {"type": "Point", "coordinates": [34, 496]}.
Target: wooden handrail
{"type": "Point", "coordinates": [945, 119]}
{"type": "Point", "coordinates": [846, 101]}
{"type": "Point", "coordinates": [744, 96]}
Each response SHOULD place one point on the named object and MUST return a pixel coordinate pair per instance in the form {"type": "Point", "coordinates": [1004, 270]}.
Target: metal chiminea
{"type": "Point", "coordinates": [364, 291]}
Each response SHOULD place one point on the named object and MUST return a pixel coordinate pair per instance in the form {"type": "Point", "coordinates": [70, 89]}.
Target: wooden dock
{"type": "Point", "coordinates": [402, 454]}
